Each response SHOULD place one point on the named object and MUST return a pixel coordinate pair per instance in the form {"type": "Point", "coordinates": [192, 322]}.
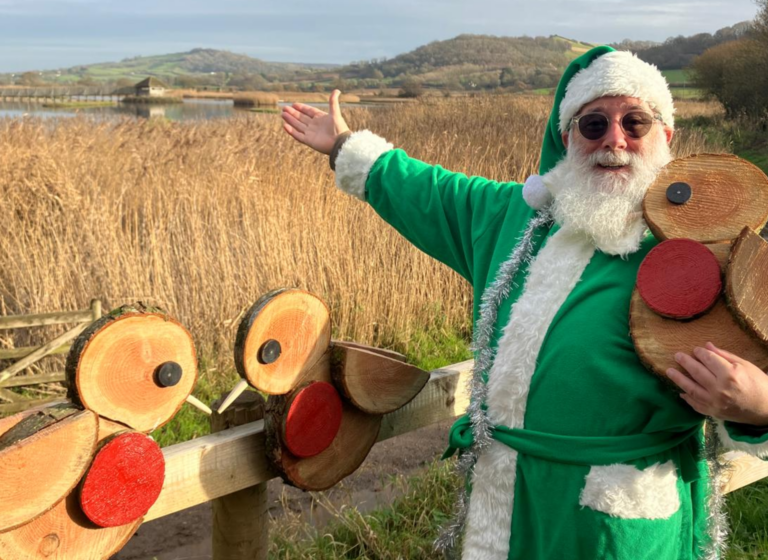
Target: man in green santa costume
{"type": "Point", "coordinates": [572, 449]}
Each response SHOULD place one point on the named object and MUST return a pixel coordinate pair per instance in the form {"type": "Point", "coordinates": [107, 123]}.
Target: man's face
{"type": "Point", "coordinates": [616, 140]}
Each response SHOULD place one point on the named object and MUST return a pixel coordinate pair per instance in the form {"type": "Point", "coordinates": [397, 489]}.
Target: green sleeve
{"type": "Point", "coordinates": [441, 212]}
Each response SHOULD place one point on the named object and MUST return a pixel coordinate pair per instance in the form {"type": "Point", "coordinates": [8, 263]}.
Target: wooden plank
{"type": "Point", "coordinates": [13, 408]}
{"type": "Point", "coordinates": [41, 352]}
{"type": "Point", "coordinates": [209, 467]}
{"type": "Point", "coordinates": [25, 380]}
{"type": "Point", "coordinates": [745, 469]}
{"type": "Point", "coordinates": [24, 351]}
{"type": "Point", "coordinates": [43, 319]}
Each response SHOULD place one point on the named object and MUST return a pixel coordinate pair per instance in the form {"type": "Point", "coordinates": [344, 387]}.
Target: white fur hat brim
{"type": "Point", "coordinates": [613, 74]}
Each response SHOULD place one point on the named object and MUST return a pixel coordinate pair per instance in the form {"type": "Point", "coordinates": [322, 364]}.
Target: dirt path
{"type": "Point", "coordinates": [187, 534]}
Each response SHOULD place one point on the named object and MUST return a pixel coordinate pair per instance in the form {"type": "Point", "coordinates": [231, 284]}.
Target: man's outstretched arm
{"type": "Point", "coordinates": [439, 211]}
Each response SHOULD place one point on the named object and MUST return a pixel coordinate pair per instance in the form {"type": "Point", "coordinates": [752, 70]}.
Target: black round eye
{"type": "Point", "coordinates": [679, 193]}
{"type": "Point", "coordinates": [269, 352]}
{"type": "Point", "coordinates": [168, 374]}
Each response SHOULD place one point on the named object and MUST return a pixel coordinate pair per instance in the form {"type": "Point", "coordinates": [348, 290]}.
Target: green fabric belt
{"type": "Point", "coordinates": [588, 451]}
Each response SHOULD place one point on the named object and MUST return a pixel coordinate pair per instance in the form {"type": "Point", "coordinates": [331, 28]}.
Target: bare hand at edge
{"type": "Point", "coordinates": [313, 127]}
{"type": "Point", "coordinates": [722, 385]}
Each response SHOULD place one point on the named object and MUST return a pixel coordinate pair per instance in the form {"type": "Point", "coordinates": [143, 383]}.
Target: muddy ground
{"type": "Point", "coordinates": [187, 535]}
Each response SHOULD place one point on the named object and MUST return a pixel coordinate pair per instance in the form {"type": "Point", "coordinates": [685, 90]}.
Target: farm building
{"type": "Point", "coordinates": [150, 87]}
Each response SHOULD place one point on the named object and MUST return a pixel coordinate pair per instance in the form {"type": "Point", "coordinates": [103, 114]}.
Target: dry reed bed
{"type": "Point", "coordinates": [203, 218]}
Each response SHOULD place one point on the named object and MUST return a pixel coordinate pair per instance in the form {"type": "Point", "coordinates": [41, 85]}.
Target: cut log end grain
{"type": "Point", "coordinates": [679, 279]}
{"type": "Point", "coordinates": [374, 382]}
{"type": "Point", "coordinates": [747, 283]}
{"type": "Point", "coordinates": [280, 338]}
{"type": "Point", "coordinates": [312, 419]}
{"type": "Point", "coordinates": [657, 339]}
{"type": "Point", "coordinates": [112, 368]}
{"type": "Point", "coordinates": [123, 481]}
{"type": "Point", "coordinates": [41, 468]}
{"type": "Point", "coordinates": [356, 436]}
{"type": "Point", "coordinates": [727, 193]}
{"type": "Point", "coordinates": [64, 533]}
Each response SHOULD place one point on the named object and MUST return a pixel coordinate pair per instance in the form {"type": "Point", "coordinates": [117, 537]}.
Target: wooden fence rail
{"type": "Point", "coordinates": [230, 461]}
{"type": "Point", "coordinates": [28, 355]}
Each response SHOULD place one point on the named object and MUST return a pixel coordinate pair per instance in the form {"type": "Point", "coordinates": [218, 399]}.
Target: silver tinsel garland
{"type": "Point", "coordinates": [717, 517]}
{"type": "Point", "coordinates": [482, 428]}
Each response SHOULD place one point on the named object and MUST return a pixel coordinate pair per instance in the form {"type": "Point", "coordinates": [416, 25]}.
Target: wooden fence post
{"type": "Point", "coordinates": [240, 520]}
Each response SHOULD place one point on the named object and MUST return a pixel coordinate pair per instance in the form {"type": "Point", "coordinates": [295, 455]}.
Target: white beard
{"type": "Point", "coordinates": [606, 206]}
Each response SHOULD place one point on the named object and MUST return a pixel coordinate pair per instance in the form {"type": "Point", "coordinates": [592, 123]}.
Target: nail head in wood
{"type": "Point", "coordinates": [269, 352]}
{"type": "Point", "coordinates": [679, 193]}
{"type": "Point", "coordinates": [168, 374]}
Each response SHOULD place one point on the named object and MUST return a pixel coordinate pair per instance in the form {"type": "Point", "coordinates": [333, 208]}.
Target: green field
{"type": "Point", "coordinates": [675, 77]}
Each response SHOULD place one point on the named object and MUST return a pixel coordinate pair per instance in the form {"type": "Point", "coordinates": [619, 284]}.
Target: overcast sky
{"type": "Point", "coordinates": [48, 34]}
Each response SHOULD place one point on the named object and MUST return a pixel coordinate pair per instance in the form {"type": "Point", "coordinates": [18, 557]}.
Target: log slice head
{"type": "Point", "coordinates": [123, 481]}
{"type": "Point", "coordinates": [280, 338]}
{"type": "Point", "coordinates": [726, 193]}
{"type": "Point", "coordinates": [679, 279]}
{"type": "Point", "coordinates": [113, 367]}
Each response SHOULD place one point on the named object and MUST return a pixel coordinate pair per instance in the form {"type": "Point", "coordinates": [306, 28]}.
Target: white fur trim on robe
{"type": "Point", "coordinates": [355, 159]}
{"type": "Point", "coordinates": [551, 277]}
{"type": "Point", "coordinates": [630, 493]}
{"type": "Point", "coordinates": [759, 450]}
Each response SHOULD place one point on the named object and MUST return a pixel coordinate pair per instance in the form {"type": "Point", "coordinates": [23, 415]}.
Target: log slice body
{"type": "Point", "coordinates": [657, 338]}
{"type": "Point", "coordinates": [40, 466]}
{"type": "Point", "coordinates": [356, 436]}
{"type": "Point", "coordinates": [64, 533]}
{"type": "Point", "coordinates": [727, 194]}
{"type": "Point", "coordinates": [111, 367]}
{"type": "Point", "coordinates": [747, 283]}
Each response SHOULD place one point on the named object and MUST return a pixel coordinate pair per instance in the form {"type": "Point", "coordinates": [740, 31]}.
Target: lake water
{"type": "Point", "coordinates": [189, 110]}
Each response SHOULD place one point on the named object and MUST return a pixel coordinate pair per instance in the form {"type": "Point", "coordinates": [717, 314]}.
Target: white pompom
{"type": "Point", "coordinates": [535, 192]}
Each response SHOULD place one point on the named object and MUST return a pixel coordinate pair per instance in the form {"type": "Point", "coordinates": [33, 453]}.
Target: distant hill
{"type": "Point", "coordinates": [679, 52]}
{"type": "Point", "coordinates": [476, 61]}
{"type": "Point", "coordinates": [169, 67]}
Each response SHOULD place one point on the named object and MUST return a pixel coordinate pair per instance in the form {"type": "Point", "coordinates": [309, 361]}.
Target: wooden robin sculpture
{"type": "Point", "coordinates": [77, 478]}
{"type": "Point", "coordinates": [326, 399]}
{"type": "Point", "coordinates": [707, 280]}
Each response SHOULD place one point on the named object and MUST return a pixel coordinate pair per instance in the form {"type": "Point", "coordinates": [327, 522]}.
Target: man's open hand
{"type": "Point", "coordinates": [313, 127]}
{"type": "Point", "coordinates": [722, 385]}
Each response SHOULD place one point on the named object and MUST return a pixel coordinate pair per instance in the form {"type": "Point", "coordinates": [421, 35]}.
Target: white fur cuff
{"type": "Point", "coordinates": [355, 159]}
{"type": "Point", "coordinates": [757, 449]}
{"type": "Point", "coordinates": [627, 492]}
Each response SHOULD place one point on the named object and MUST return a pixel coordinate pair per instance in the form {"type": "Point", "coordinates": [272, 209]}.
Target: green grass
{"type": "Point", "coordinates": [687, 93]}
{"type": "Point", "coordinates": [748, 511]}
{"type": "Point", "coordinates": [407, 529]}
{"type": "Point", "coordinates": [78, 104]}
{"type": "Point", "coordinates": [677, 76]}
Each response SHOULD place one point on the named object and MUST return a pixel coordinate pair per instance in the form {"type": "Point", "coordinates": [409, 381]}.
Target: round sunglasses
{"type": "Point", "coordinates": [635, 124]}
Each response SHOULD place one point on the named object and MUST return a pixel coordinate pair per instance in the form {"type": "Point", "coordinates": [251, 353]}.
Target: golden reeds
{"type": "Point", "coordinates": [203, 218]}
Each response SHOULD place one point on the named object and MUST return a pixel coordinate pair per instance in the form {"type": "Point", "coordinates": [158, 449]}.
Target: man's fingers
{"type": "Point", "coordinates": [713, 361]}
{"type": "Point", "coordinates": [293, 132]}
{"type": "Point", "coordinates": [688, 385]}
{"type": "Point", "coordinates": [298, 115]}
{"type": "Point", "coordinates": [334, 103]}
{"type": "Point", "coordinates": [308, 110]}
{"type": "Point", "coordinates": [695, 405]}
{"type": "Point", "coordinates": [731, 358]}
{"type": "Point", "coordinates": [698, 371]}
{"type": "Point", "coordinates": [294, 122]}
